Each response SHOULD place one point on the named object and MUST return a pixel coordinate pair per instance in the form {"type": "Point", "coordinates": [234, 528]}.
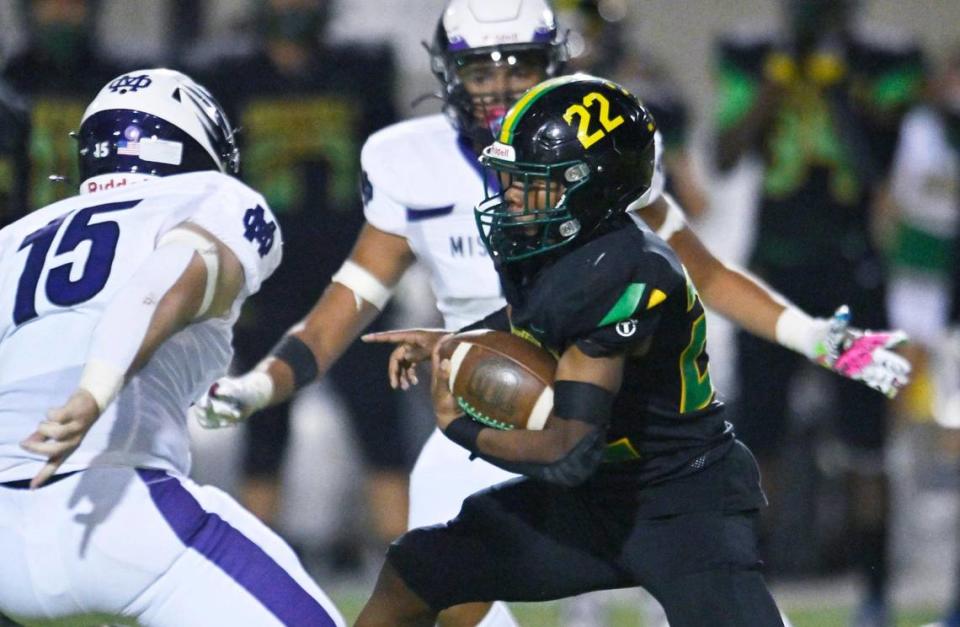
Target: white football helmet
{"type": "Point", "coordinates": [499, 32]}
{"type": "Point", "coordinates": [154, 122]}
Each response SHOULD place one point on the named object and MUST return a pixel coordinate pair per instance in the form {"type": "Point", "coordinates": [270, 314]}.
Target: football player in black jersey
{"type": "Point", "coordinates": [638, 479]}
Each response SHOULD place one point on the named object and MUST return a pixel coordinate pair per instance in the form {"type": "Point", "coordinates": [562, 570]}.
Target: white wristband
{"type": "Point", "coordinates": [103, 381]}
{"type": "Point", "coordinates": [673, 222]}
{"type": "Point", "coordinates": [801, 333]}
{"type": "Point", "coordinates": [363, 284]}
{"type": "Point", "coordinates": [257, 389]}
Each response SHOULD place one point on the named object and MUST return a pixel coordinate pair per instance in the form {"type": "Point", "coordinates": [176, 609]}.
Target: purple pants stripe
{"type": "Point", "coordinates": [235, 554]}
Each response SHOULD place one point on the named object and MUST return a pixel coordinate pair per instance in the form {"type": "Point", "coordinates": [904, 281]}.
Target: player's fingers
{"type": "Point", "coordinates": [198, 413]}
{"type": "Point", "coordinates": [55, 430]}
{"type": "Point", "coordinates": [391, 337]}
{"type": "Point", "coordinates": [443, 375]}
{"type": "Point", "coordinates": [58, 414]}
{"type": "Point", "coordinates": [894, 386]}
{"type": "Point", "coordinates": [896, 338]}
{"type": "Point", "coordinates": [33, 438]}
{"type": "Point", "coordinates": [226, 411]}
{"type": "Point", "coordinates": [408, 376]}
{"type": "Point", "coordinates": [394, 374]}
{"type": "Point", "coordinates": [202, 403]}
{"type": "Point", "coordinates": [898, 364]}
{"type": "Point", "coordinates": [395, 365]}
{"type": "Point", "coordinates": [46, 472]}
{"type": "Point", "coordinates": [206, 418]}
{"type": "Point", "coordinates": [46, 447]}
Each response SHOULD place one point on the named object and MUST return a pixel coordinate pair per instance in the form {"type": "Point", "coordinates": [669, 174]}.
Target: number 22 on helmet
{"type": "Point", "coordinates": [572, 153]}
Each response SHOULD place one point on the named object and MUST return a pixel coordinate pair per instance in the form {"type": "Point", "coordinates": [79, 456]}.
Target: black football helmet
{"type": "Point", "coordinates": [500, 33]}
{"type": "Point", "coordinates": [584, 143]}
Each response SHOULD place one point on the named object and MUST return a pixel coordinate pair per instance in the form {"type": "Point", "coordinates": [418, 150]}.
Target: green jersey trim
{"type": "Point", "coordinates": [626, 305]}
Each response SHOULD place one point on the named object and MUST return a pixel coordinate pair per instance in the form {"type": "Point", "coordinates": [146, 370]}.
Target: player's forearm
{"type": "Point", "coordinates": [567, 452]}
{"type": "Point", "coordinates": [159, 300]}
{"type": "Point", "coordinates": [760, 310]}
{"type": "Point", "coordinates": [726, 290]}
{"type": "Point", "coordinates": [332, 325]}
{"type": "Point", "coordinates": [545, 455]}
{"type": "Point", "coordinates": [357, 294]}
{"type": "Point", "coordinates": [536, 447]}
{"type": "Point", "coordinates": [744, 301]}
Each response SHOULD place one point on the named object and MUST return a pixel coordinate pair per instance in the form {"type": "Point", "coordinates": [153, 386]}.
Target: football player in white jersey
{"type": "Point", "coordinates": [421, 182]}
{"type": "Point", "coordinates": [116, 310]}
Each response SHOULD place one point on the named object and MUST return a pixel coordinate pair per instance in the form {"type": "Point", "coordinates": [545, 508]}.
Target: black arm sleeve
{"type": "Point", "coordinates": [497, 321]}
{"type": "Point", "coordinates": [573, 400]}
{"type": "Point", "coordinates": [571, 470]}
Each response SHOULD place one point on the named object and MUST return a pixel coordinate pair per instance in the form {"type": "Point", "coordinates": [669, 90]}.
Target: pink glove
{"type": "Point", "coordinates": [864, 356]}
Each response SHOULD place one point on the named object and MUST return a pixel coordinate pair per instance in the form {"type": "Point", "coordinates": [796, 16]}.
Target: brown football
{"type": "Point", "coordinates": [500, 379]}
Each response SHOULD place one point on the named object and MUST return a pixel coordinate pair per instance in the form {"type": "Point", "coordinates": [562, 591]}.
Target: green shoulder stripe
{"type": "Point", "coordinates": [626, 305]}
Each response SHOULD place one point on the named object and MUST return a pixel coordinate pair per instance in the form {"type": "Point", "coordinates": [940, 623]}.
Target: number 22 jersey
{"type": "Point", "coordinates": [61, 266]}
{"type": "Point", "coordinates": [626, 292]}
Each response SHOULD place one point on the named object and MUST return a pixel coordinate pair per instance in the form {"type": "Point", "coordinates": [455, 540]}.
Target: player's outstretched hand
{"type": "Point", "coordinates": [413, 347]}
{"type": "Point", "coordinates": [61, 433]}
{"type": "Point", "coordinates": [231, 400]}
{"type": "Point", "coordinates": [865, 356]}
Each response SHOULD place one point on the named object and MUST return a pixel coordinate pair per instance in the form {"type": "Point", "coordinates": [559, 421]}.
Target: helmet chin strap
{"type": "Point", "coordinates": [113, 180]}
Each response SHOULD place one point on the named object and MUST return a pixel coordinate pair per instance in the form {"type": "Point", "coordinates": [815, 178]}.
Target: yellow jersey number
{"type": "Point", "coordinates": [696, 388]}
{"type": "Point", "coordinates": [582, 112]}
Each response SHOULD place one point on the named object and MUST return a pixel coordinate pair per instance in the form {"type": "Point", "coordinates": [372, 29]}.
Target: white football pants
{"type": "Point", "coordinates": [147, 547]}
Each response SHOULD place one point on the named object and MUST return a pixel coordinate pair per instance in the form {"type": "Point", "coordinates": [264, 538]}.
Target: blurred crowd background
{"type": "Point", "coordinates": [307, 81]}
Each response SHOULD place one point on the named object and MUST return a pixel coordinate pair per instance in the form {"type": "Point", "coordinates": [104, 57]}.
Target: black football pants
{"type": "Point", "coordinates": [526, 540]}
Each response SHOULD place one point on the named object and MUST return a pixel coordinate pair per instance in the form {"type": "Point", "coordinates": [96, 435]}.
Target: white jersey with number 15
{"type": "Point", "coordinates": [60, 267]}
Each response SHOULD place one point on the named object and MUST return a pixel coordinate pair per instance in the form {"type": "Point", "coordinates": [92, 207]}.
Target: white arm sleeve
{"type": "Point", "coordinates": [122, 328]}
{"type": "Point", "coordinates": [674, 221]}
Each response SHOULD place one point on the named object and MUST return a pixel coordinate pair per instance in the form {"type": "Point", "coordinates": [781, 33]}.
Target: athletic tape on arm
{"type": "Point", "coordinates": [207, 249]}
{"type": "Point", "coordinates": [363, 284]}
{"type": "Point", "coordinates": [799, 332]}
{"type": "Point", "coordinates": [673, 222]}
